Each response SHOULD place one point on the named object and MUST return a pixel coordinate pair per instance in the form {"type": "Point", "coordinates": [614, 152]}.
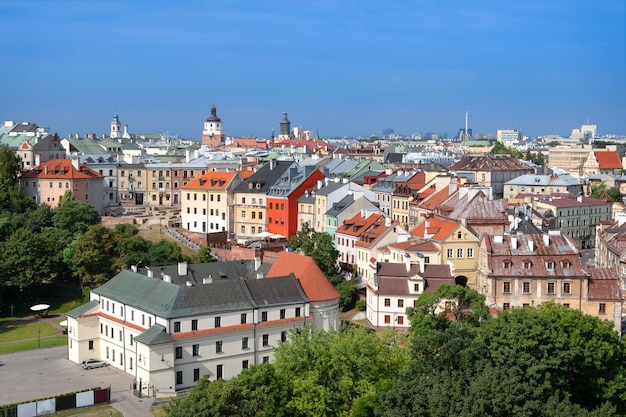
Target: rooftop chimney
{"type": "Point", "coordinates": [513, 242]}
{"type": "Point", "coordinates": [149, 272]}
{"type": "Point", "coordinates": [207, 280]}
{"type": "Point", "coordinates": [531, 245]}
{"type": "Point", "coordinates": [387, 221]}
{"type": "Point", "coordinates": [188, 283]}
{"type": "Point", "coordinates": [182, 269]}
{"type": "Point", "coordinates": [546, 240]}
{"type": "Point", "coordinates": [167, 278]}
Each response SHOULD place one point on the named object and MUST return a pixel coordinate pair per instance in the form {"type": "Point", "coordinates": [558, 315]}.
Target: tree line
{"type": "Point", "coordinates": [548, 361]}
{"type": "Point", "coordinates": [43, 245]}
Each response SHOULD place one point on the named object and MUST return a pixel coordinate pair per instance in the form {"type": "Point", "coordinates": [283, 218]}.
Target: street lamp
{"type": "Point", "coordinates": [39, 338]}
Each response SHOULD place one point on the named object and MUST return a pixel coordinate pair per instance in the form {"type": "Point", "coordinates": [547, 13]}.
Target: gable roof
{"type": "Point", "coordinates": [608, 159]}
{"type": "Point", "coordinates": [313, 281]}
{"type": "Point", "coordinates": [434, 229]}
{"type": "Point", "coordinates": [57, 169]}
{"type": "Point", "coordinates": [215, 180]}
{"type": "Point", "coordinates": [603, 284]}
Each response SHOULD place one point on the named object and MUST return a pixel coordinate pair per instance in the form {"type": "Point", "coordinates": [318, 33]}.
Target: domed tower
{"type": "Point", "coordinates": [116, 128]}
{"type": "Point", "coordinates": [212, 134]}
{"type": "Point", "coordinates": [285, 127]}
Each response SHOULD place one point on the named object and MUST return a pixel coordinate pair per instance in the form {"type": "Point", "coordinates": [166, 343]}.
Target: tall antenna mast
{"type": "Point", "coordinates": [466, 125]}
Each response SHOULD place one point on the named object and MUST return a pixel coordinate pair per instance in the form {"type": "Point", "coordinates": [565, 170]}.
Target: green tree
{"type": "Point", "coordinates": [204, 255]}
{"type": "Point", "coordinates": [602, 191]}
{"type": "Point", "coordinates": [28, 258]}
{"type": "Point", "coordinates": [514, 365]}
{"type": "Point", "coordinates": [94, 257]}
{"type": "Point", "coordinates": [73, 215]}
{"type": "Point", "coordinates": [330, 370]}
{"type": "Point", "coordinates": [164, 252]}
{"type": "Point", "coordinates": [321, 248]}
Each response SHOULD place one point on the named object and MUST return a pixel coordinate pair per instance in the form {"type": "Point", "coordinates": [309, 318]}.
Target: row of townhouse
{"type": "Point", "coordinates": [170, 326]}
{"type": "Point", "coordinates": [512, 270]}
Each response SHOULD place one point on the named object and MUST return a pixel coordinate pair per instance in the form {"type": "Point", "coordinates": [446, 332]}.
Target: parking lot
{"type": "Point", "coordinates": [47, 372]}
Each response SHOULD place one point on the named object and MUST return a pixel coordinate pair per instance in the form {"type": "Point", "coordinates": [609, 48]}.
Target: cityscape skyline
{"type": "Point", "coordinates": [338, 68]}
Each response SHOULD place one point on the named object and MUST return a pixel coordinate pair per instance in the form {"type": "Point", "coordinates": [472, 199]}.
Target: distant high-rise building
{"type": "Point", "coordinates": [388, 133]}
{"type": "Point", "coordinates": [213, 133]}
{"type": "Point", "coordinates": [585, 133]}
{"type": "Point", "coordinates": [510, 135]}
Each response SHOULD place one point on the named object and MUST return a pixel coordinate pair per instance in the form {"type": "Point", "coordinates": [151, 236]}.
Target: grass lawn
{"type": "Point", "coordinates": [95, 411]}
{"type": "Point", "coordinates": [27, 331]}
{"type": "Point", "coordinates": [155, 236]}
{"type": "Point", "coordinates": [32, 344]}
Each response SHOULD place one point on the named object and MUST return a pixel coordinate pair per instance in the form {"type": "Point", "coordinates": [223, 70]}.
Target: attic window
{"type": "Point", "coordinates": [565, 264]}
{"type": "Point", "coordinates": [550, 265]}
{"type": "Point", "coordinates": [507, 264]}
{"type": "Point", "coordinates": [527, 264]}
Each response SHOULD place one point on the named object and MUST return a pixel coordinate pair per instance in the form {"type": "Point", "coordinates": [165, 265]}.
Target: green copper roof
{"type": "Point", "coordinates": [154, 335]}
{"type": "Point", "coordinates": [82, 309]}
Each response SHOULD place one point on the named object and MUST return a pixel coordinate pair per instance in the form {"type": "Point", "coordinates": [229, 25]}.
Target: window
{"type": "Point", "coordinates": [400, 302]}
{"type": "Point", "coordinates": [416, 287]}
{"type": "Point", "coordinates": [602, 308]}
{"type": "Point", "coordinates": [176, 327]}
{"type": "Point", "coordinates": [244, 364]}
{"type": "Point", "coordinates": [506, 306]}
{"type": "Point", "coordinates": [507, 264]}
{"type": "Point", "coordinates": [551, 288]}
{"type": "Point", "coordinates": [506, 287]}
{"type": "Point", "coordinates": [91, 345]}
{"type": "Point", "coordinates": [387, 302]}
{"type": "Point", "coordinates": [297, 311]}
{"type": "Point", "coordinates": [266, 359]}
{"type": "Point", "coordinates": [550, 265]}
{"type": "Point", "coordinates": [179, 377]}
{"type": "Point", "coordinates": [566, 305]}
{"type": "Point", "coordinates": [282, 313]}
{"type": "Point", "coordinates": [196, 374]}
{"type": "Point", "coordinates": [179, 352]}
{"type": "Point", "coordinates": [196, 350]}
{"type": "Point", "coordinates": [459, 253]}
{"type": "Point", "coordinates": [194, 324]}
{"type": "Point", "coordinates": [459, 235]}
{"type": "Point", "coordinates": [121, 336]}
{"type": "Point", "coordinates": [526, 287]}
{"type": "Point", "coordinates": [567, 288]}
{"type": "Point", "coordinates": [244, 343]}
{"type": "Point", "coordinates": [131, 339]}
{"type": "Point", "coordinates": [387, 319]}
{"type": "Point", "coordinates": [266, 340]}
{"type": "Point", "coordinates": [450, 253]}
{"type": "Point", "coordinates": [527, 264]}
{"type": "Point", "coordinates": [470, 252]}
{"type": "Point", "coordinates": [283, 336]}
{"type": "Point", "coordinates": [400, 320]}
{"type": "Point", "coordinates": [218, 346]}
{"type": "Point", "coordinates": [264, 316]}
{"type": "Point", "coordinates": [243, 200]}
{"type": "Point", "coordinates": [218, 322]}
{"type": "Point", "coordinates": [244, 318]}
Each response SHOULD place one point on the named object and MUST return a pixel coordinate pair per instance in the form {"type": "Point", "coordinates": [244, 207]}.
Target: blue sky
{"type": "Point", "coordinates": [343, 68]}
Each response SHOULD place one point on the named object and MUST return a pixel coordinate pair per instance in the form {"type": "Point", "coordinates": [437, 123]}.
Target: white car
{"type": "Point", "coordinates": [93, 363]}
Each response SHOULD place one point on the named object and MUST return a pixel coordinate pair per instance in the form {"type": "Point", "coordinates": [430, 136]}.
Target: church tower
{"type": "Point", "coordinates": [116, 128]}
{"type": "Point", "coordinates": [212, 134]}
{"type": "Point", "coordinates": [285, 128]}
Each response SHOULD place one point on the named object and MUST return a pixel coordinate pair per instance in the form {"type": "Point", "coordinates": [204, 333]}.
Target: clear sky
{"type": "Point", "coordinates": [339, 67]}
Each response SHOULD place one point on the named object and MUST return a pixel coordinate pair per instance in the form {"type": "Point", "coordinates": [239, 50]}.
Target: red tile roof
{"type": "Point", "coordinates": [215, 180]}
{"type": "Point", "coordinates": [61, 169]}
{"type": "Point", "coordinates": [313, 281]}
{"type": "Point", "coordinates": [608, 159]}
{"type": "Point", "coordinates": [436, 228]}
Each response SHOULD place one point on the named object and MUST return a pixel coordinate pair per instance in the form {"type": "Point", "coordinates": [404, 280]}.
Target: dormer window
{"type": "Point", "coordinates": [565, 264]}
{"type": "Point", "coordinates": [550, 265]}
{"type": "Point", "coordinates": [527, 264]}
{"type": "Point", "coordinates": [507, 264]}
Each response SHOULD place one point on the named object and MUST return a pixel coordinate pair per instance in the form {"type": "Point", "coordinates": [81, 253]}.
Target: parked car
{"type": "Point", "coordinates": [93, 363]}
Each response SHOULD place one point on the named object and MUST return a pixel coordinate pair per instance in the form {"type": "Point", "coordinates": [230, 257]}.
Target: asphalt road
{"type": "Point", "coordinates": [47, 372]}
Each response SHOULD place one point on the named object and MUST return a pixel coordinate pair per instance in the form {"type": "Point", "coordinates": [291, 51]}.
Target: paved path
{"type": "Point", "coordinates": [43, 373]}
